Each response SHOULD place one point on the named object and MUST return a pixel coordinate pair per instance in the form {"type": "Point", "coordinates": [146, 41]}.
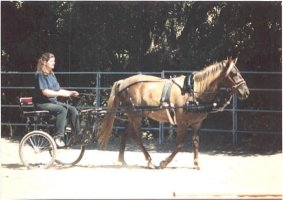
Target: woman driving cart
{"type": "Point", "coordinates": [47, 89]}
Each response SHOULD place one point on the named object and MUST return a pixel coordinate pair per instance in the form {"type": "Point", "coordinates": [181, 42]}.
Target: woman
{"type": "Point", "coordinates": [47, 89]}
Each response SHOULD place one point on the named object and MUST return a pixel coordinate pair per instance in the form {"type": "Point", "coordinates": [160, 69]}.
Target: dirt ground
{"type": "Point", "coordinates": [222, 175]}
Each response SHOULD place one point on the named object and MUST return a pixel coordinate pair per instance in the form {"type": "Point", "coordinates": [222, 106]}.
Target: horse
{"type": "Point", "coordinates": [169, 100]}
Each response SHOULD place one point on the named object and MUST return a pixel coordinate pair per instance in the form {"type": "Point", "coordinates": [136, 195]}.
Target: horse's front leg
{"type": "Point", "coordinates": [179, 145]}
{"type": "Point", "coordinates": [195, 140]}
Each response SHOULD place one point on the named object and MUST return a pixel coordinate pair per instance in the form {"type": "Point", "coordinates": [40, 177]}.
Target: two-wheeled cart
{"type": "Point", "coordinates": [38, 149]}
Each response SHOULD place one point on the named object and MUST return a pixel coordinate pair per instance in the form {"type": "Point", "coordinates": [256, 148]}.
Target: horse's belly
{"type": "Point", "coordinates": [158, 116]}
{"type": "Point", "coordinates": [190, 118]}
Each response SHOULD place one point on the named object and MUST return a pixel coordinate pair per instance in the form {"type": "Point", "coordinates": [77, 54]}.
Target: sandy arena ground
{"type": "Point", "coordinates": [97, 177]}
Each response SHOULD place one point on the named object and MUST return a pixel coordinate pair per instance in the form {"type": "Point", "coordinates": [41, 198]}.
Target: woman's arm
{"type": "Point", "coordinates": [61, 92]}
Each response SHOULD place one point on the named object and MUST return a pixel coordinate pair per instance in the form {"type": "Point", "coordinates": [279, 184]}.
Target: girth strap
{"type": "Point", "coordinates": [165, 97]}
{"type": "Point", "coordinates": [165, 102]}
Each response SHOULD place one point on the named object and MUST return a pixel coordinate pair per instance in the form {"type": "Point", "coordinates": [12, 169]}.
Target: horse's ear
{"type": "Point", "coordinates": [235, 60]}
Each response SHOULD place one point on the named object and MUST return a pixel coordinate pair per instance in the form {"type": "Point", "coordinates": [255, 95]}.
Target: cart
{"type": "Point", "coordinates": [38, 149]}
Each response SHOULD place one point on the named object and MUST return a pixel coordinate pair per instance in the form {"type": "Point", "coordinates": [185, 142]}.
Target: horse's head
{"type": "Point", "coordinates": [234, 80]}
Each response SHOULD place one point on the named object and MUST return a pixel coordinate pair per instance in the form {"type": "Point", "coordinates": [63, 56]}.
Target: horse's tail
{"type": "Point", "coordinates": [105, 128]}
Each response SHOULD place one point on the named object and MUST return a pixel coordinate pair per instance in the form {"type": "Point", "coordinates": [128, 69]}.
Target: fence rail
{"type": "Point", "coordinates": [98, 87]}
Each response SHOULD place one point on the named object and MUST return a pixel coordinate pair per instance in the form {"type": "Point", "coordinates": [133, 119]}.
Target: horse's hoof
{"type": "Point", "coordinates": [151, 166]}
{"type": "Point", "coordinates": [162, 165]}
{"type": "Point", "coordinates": [120, 163]}
{"type": "Point", "coordinates": [196, 165]}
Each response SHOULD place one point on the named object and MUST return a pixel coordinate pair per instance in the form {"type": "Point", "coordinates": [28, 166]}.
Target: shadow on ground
{"type": "Point", "coordinates": [210, 143]}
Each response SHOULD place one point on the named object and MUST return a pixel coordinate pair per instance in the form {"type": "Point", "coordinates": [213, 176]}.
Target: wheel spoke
{"type": "Point", "coordinates": [35, 150]}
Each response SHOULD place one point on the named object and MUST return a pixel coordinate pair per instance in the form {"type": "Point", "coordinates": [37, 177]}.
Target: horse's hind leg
{"type": "Point", "coordinates": [179, 146]}
{"type": "Point", "coordinates": [145, 152]}
{"type": "Point", "coordinates": [133, 129]}
{"type": "Point", "coordinates": [136, 122]}
{"type": "Point", "coordinates": [124, 137]}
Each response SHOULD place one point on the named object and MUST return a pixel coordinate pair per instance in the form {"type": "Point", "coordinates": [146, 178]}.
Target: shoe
{"type": "Point", "coordinates": [59, 142]}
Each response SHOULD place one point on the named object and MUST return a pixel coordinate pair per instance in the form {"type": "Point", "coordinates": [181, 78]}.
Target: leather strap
{"type": "Point", "coordinates": [165, 102]}
{"type": "Point", "coordinates": [165, 97]}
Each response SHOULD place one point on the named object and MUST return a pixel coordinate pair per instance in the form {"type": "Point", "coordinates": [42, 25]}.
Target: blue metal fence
{"type": "Point", "coordinates": [100, 84]}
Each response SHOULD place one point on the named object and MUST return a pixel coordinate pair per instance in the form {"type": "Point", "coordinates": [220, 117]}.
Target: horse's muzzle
{"type": "Point", "coordinates": [243, 93]}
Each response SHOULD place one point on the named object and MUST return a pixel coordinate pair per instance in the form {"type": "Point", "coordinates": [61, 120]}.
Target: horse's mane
{"type": "Point", "coordinates": [206, 76]}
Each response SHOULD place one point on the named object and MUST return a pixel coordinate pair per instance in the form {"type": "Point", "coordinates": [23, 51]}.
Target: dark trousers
{"type": "Point", "coordinates": [62, 112]}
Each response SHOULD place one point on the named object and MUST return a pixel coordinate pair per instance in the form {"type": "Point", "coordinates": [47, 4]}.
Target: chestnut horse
{"type": "Point", "coordinates": [144, 91]}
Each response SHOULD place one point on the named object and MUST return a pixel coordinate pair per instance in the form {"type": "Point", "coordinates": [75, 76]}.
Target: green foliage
{"type": "Point", "coordinates": [140, 36]}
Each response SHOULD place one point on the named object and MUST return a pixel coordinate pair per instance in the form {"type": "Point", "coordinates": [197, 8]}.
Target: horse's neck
{"type": "Point", "coordinates": [208, 94]}
{"type": "Point", "coordinates": [207, 83]}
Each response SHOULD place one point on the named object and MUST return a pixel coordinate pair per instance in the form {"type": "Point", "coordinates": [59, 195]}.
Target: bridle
{"type": "Point", "coordinates": [235, 85]}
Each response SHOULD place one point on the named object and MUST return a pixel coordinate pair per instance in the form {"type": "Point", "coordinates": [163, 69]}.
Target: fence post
{"type": "Point", "coordinates": [235, 121]}
{"type": "Point", "coordinates": [160, 135]}
{"type": "Point", "coordinates": [98, 77]}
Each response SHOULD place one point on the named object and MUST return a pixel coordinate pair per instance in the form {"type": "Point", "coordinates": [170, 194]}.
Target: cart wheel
{"type": "Point", "coordinates": [70, 154]}
{"type": "Point", "coordinates": [37, 150]}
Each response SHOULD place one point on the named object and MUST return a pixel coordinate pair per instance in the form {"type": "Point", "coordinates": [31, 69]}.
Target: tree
{"type": "Point", "coordinates": [137, 36]}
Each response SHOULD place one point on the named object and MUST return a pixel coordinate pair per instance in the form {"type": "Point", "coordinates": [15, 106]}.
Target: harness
{"type": "Point", "coordinates": [221, 100]}
{"type": "Point", "coordinates": [188, 86]}
{"type": "Point", "coordinates": [165, 102]}
{"type": "Point", "coordinates": [236, 84]}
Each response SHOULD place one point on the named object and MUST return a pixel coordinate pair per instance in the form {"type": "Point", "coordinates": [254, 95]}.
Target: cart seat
{"type": "Point", "coordinates": [28, 108]}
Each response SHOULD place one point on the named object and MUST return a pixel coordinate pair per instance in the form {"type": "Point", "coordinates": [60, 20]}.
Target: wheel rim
{"type": "Point", "coordinates": [70, 154]}
{"type": "Point", "coordinates": [37, 150]}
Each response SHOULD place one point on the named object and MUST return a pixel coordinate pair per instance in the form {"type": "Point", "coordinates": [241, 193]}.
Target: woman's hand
{"type": "Point", "coordinates": [74, 93]}
{"type": "Point", "coordinates": [68, 93]}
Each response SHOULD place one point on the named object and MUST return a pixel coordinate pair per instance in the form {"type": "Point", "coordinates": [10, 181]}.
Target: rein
{"type": "Point", "coordinates": [217, 105]}
{"type": "Point", "coordinates": [86, 94]}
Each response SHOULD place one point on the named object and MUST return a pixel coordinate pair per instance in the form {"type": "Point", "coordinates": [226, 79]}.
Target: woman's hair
{"type": "Point", "coordinates": [41, 63]}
